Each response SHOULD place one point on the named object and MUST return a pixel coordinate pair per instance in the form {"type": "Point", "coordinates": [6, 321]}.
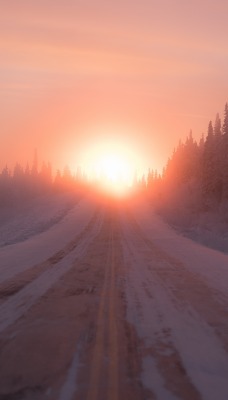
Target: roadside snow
{"type": "Point", "coordinates": [211, 264]}
{"type": "Point", "coordinates": [36, 216]}
{"type": "Point", "coordinates": [20, 256]}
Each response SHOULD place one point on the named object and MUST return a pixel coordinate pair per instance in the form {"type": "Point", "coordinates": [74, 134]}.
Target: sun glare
{"type": "Point", "coordinates": [111, 164]}
{"type": "Point", "coordinates": [111, 157]}
{"type": "Point", "coordinates": [113, 167]}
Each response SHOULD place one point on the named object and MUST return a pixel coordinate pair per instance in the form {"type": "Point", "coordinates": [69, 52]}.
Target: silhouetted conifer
{"type": "Point", "coordinates": [224, 153]}
{"type": "Point", "coordinates": [225, 123]}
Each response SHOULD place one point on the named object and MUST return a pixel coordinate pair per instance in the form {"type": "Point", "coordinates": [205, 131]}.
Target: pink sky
{"type": "Point", "coordinates": [157, 67]}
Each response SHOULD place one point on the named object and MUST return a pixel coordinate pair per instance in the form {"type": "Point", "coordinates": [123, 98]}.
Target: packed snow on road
{"type": "Point", "coordinates": [102, 299]}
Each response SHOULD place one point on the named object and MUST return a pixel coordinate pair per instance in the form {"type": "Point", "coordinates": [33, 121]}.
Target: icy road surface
{"type": "Point", "coordinates": [101, 300]}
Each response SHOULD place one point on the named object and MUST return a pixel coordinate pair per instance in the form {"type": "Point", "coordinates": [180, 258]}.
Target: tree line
{"type": "Point", "coordinates": [197, 171]}
{"type": "Point", "coordinates": [25, 183]}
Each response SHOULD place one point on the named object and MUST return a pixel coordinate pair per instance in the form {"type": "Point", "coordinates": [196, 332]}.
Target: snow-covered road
{"type": "Point", "coordinates": [108, 302]}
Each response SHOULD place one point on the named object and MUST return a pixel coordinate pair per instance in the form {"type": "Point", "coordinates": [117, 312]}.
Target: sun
{"type": "Point", "coordinates": [113, 167]}
{"type": "Point", "coordinates": [110, 157]}
{"type": "Point", "coordinates": [112, 170]}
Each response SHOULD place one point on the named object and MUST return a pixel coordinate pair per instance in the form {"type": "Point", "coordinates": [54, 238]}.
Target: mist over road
{"type": "Point", "coordinates": [109, 303]}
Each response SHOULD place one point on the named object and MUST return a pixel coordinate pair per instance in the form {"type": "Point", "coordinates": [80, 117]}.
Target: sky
{"type": "Point", "coordinates": [78, 73]}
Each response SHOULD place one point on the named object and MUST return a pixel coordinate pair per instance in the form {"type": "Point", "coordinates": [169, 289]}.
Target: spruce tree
{"type": "Point", "coordinates": [217, 127]}
{"type": "Point", "coordinates": [217, 157]}
{"type": "Point", "coordinates": [225, 123]}
{"type": "Point", "coordinates": [208, 167]}
{"type": "Point", "coordinates": [224, 153]}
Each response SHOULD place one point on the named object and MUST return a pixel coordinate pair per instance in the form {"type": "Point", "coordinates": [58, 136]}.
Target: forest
{"type": "Point", "coordinates": [23, 184]}
{"type": "Point", "coordinates": [192, 192]}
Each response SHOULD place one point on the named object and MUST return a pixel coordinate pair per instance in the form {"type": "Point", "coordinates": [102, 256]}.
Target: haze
{"type": "Point", "coordinates": [152, 69]}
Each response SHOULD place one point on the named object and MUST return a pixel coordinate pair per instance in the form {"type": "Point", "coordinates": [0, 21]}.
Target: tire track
{"type": "Point", "coordinates": [18, 258]}
{"type": "Point", "coordinates": [106, 363]}
{"type": "Point", "coordinates": [18, 282]}
{"type": "Point", "coordinates": [106, 321]}
{"type": "Point", "coordinates": [181, 348]}
{"type": "Point", "coordinates": [187, 287]}
{"type": "Point", "coordinates": [19, 303]}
